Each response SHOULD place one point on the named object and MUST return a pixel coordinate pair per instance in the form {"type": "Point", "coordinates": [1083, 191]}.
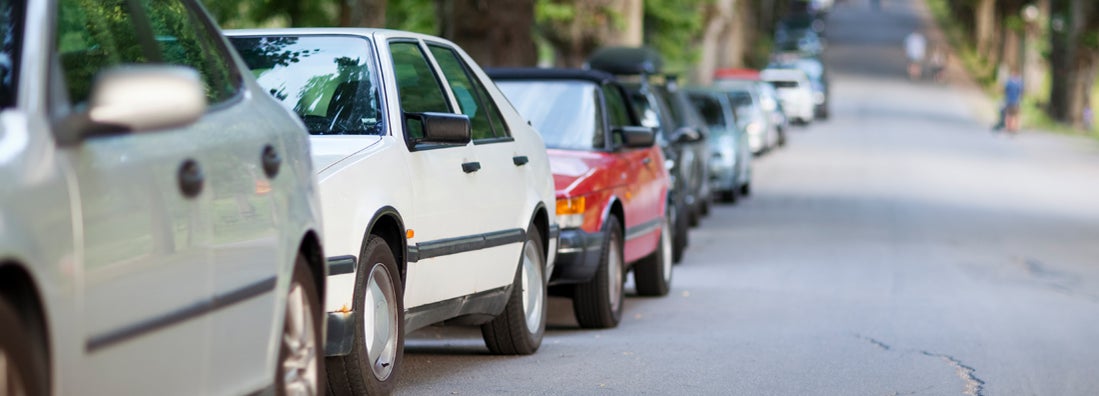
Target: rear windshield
{"type": "Point", "coordinates": [329, 81]}
{"type": "Point", "coordinates": [565, 112]}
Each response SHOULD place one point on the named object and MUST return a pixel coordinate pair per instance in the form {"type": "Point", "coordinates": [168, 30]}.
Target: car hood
{"type": "Point", "coordinates": [574, 171]}
{"type": "Point", "coordinates": [330, 150]}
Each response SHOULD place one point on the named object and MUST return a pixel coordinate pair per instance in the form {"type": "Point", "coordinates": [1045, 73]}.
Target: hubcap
{"type": "Point", "coordinates": [614, 275]}
{"type": "Point", "coordinates": [380, 321]}
{"type": "Point", "coordinates": [299, 367]}
{"type": "Point", "coordinates": [533, 294]}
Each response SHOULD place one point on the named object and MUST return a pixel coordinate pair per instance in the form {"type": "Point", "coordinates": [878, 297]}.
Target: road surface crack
{"type": "Point", "coordinates": [973, 386]}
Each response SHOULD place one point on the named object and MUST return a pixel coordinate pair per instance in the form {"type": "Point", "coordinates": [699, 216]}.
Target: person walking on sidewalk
{"type": "Point", "coordinates": [915, 46]}
{"type": "Point", "coordinates": [1013, 98]}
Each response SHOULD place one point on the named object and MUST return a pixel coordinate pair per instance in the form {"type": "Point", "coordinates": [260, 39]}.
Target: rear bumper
{"type": "Point", "coordinates": [578, 255]}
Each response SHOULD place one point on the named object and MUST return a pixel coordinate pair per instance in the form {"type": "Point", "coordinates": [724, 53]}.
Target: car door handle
{"type": "Point", "coordinates": [520, 160]}
{"type": "Point", "coordinates": [470, 167]}
{"type": "Point", "coordinates": [271, 161]}
{"type": "Point", "coordinates": [646, 160]}
{"type": "Point", "coordinates": [190, 178]}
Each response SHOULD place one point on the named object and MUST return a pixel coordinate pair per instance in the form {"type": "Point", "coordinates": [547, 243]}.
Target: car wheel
{"type": "Point", "coordinates": [22, 367]}
{"type": "Point", "coordinates": [653, 274]}
{"type": "Point", "coordinates": [598, 303]}
{"type": "Point", "coordinates": [375, 359]}
{"type": "Point", "coordinates": [519, 329]}
{"type": "Point", "coordinates": [746, 189]}
{"type": "Point", "coordinates": [301, 352]}
{"type": "Point", "coordinates": [679, 231]}
{"type": "Point", "coordinates": [729, 196]}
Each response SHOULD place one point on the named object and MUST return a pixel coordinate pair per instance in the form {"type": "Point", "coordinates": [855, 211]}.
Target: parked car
{"type": "Point", "coordinates": [612, 187]}
{"type": "Point", "coordinates": [437, 193]}
{"type": "Point", "coordinates": [748, 100]}
{"type": "Point", "coordinates": [731, 158]}
{"type": "Point", "coordinates": [685, 148]}
{"type": "Point", "coordinates": [794, 91]}
{"type": "Point", "coordinates": [818, 80]}
{"type": "Point", "coordinates": [159, 220]}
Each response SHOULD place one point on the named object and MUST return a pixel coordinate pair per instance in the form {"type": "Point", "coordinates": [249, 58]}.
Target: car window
{"type": "Point", "coordinates": [617, 113]}
{"type": "Point", "coordinates": [94, 36]}
{"type": "Point", "coordinates": [185, 38]}
{"type": "Point", "coordinates": [11, 32]}
{"type": "Point", "coordinates": [784, 84]}
{"type": "Point", "coordinates": [418, 88]}
{"type": "Point", "coordinates": [330, 82]}
{"type": "Point", "coordinates": [543, 103]}
{"type": "Point", "coordinates": [474, 101]}
{"type": "Point", "coordinates": [710, 109]}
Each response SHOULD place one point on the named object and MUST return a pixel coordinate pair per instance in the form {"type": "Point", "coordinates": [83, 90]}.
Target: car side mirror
{"type": "Point", "coordinates": [441, 128]}
{"type": "Point", "coordinates": [637, 136]}
{"type": "Point", "coordinates": [687, 134]}
{"type": "Point", "coordinates": [137, 98]}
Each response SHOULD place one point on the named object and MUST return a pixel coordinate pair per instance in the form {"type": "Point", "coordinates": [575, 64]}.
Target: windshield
{"type": "Point", "coordinates": [330, 82]}
{"type": "Point", "coordinates": [9, 36]}
{"type": "Point", "coordinates": [564, 112]}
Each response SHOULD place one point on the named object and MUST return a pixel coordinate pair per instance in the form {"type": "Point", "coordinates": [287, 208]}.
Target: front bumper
{"type": "Point", "coordinates": [578, 256]}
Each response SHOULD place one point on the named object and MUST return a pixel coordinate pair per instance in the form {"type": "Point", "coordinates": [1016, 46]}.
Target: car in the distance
{"type": "Point", "coordinates": [159, 223]}
{"type": "Point", "coordinates": [612, 187]}
{"type": "Point", "coordinates": [437, 195]}
{"type": "Point", "coordinates": [795, 91]}
{"type": "Point", "coordinates": [731, 162]}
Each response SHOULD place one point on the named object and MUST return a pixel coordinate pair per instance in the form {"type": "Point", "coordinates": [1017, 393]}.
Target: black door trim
{"type": "Point", "coordinates": [339, 265]}
{"type": "Point", "coordinates": [462, 244]}
{"type": "Point", "coordinates": [110, 338]}
{"type": "Point", "coordinates": [643, 228]}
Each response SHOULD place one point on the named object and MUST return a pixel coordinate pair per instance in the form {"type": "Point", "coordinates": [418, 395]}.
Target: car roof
{"type": "Point", "coordinates": [783, 73]}
{"type": "Point", "coordinates": [737, 74]}
{"type": "Point", "coordinates": [536, 73]}
{"type": "Point", "coordinates": [380, 34]}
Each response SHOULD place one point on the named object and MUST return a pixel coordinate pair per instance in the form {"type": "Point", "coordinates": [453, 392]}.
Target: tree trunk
{"type": "Point", "coordinates": [720, 18]}
{"type": "Point", "coordinates": [985, 24]}
{"type": "Point", "coordinates": [632, 18]}
{"type": "Point", "coordinates": [1064, 34]}
{"type": "Point", "coordinates": [363, 13]}
{"type": "Point", "coordinates": [494, 33]}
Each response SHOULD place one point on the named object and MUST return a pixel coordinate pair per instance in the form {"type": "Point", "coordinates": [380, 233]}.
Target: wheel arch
{"type": "Point", "coordinates": [615, 208]}
{"type": "Point", "coordinates": [388, 225]}
{"type": "Point", "coordinates": [18, 286]}
{"type": "Point", "coordinates": [313, 252]}
{"type": "Point", "coordinates": [540, 220]}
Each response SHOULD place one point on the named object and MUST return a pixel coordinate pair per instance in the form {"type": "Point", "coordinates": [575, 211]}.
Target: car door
{"type": "Point", "coordinates": [502, 172]}
{"type": "Point", "coordinates": [644, 170]}
{"type": "Point", "coordinates": [144, 221]}
{"type": "Point", "coordinates": [442, 222]}
{"type": "Point", "coordinates": [242, 159]}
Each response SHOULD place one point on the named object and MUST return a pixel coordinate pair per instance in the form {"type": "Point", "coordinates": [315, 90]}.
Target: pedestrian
{"type": "Point", "coordinates": [937, 63]}
{"type": "Point", "coordinates": [1013, 97]}
{"type": "Point", "coordinates": [915, 46]}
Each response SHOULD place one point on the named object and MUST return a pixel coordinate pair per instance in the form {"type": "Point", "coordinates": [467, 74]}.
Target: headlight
{"type": "Point", "coordinates": [570, 212]}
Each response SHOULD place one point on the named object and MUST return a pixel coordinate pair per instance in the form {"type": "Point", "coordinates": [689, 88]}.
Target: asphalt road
{"type": "Point", "coordinates": [900, 248]}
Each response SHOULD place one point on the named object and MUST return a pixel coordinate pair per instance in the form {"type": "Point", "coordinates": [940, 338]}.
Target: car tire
{"type": "Point", "coordinates": [680, 230]}
{"type": "Point", "coordinates": [301, 346]}
{"type": "Point", "coordinates": [376, 355]}
{"type": "Point", "coordinates": [729, 196]}
{"type": "Point", "coordinates": [746, 189]}
{"type": "Point", "coordinates": [520, 328]}
{"type": "Point", "coordinates": [653, 274]}
{"type": "Point", "coordinates": [598, 303]}
{"type": "Point", "coordinates": [24, 365]}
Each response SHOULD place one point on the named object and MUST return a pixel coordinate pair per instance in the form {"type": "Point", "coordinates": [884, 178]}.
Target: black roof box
{"type": "Point", "coordinates": [626, 60]}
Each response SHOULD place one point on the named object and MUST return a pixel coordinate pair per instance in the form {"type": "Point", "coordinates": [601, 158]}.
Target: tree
{"type": "Point", "coordinates": [1074, 57]}
{"type": "Point", "coordinates": [576, 28]}
{"type": "Point", "coordinates": [494, 33]}
{"type": "Point", "coordinates": [363, 13]}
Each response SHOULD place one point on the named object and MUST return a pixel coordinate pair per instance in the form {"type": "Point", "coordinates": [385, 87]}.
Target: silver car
{"type": "Point", "coordinates": [158, 220]}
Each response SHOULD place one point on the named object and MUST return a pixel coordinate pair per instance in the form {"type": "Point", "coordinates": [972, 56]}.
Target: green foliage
{"type": "Point", "coordinates": [234, 14]}
{"type": "Point", "coordinates": [670, 26]}
{"type": "Point", "coordinates": [412, 15]}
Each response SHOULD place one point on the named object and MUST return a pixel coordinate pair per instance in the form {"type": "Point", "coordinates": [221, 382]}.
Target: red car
{"type": "Point", "coordinates": [612, 187]}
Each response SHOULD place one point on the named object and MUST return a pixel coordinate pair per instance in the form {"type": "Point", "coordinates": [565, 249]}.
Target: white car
{"type": "Point", "coordinates": [438, 199]}
{"type": "Point", "coordinates": [794, 91]}
{"type": "Point", "coordinates": [159, 218]}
